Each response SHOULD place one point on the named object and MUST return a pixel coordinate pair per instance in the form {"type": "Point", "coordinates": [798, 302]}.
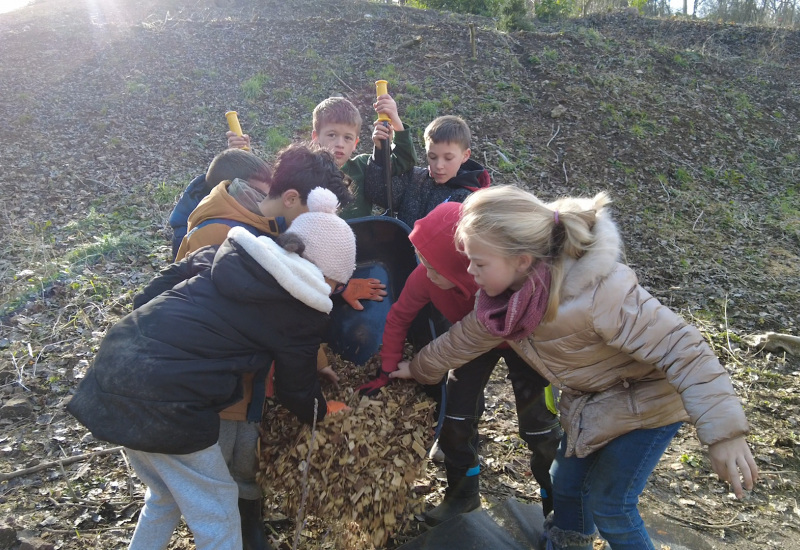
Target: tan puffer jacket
{"type": "Point", "coordinates": [621, 359]}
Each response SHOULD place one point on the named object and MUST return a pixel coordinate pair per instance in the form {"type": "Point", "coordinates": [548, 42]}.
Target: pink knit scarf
{"type": "Point", "coordinates": [515, 315]}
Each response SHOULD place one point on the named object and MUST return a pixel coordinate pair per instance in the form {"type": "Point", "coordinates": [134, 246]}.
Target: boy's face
{"type": "Point", "coordinates": [339, 139]}
{"type": "Point", "coordinates": [434, 276]}
{"type": "Point", "coordinates": [259, 185]}
{"type": "Point", "coordinates": [288, 206]}
{"type": "Point", "coordinates": [444, 160]}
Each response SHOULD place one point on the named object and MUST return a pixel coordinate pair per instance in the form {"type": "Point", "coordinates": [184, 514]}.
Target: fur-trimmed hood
{"type": "Point", "coordinates": [299, 277]}
{"type": "Point", "coordinates": [597, 262]}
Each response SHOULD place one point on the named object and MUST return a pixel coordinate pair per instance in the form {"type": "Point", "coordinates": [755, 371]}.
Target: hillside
{"type": "Point", "coordinates": [110, 108]}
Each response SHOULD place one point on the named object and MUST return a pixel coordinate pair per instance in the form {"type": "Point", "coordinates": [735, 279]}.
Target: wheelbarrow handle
{"type": "Point", "coordinates": [233, 124]}
{"type": "Point", "coordinates": [381, 88]}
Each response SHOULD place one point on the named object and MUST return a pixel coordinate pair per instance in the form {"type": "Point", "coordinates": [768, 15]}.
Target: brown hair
{"type": "Point", "coordinates": [304, 166]}
{"type": "Point", "coordinates": [449, 129]}
{"type": "Point", "coordinates": [336, 110]}
{"type": "Point", "coordinates": [237, 163]}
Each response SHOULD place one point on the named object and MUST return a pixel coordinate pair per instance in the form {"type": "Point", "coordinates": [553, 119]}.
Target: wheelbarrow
{"type": "Point", "coordinates": [383, 252]}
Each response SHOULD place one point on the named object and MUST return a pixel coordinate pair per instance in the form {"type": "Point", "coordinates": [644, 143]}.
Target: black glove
{"type": "Point", "coordinates": [374, 386]}
{"type": "Point", "coordinates": [544, 448]}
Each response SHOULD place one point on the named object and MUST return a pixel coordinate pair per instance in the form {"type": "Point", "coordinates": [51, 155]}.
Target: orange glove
{"type": "Point", "coordinates": [363, 289]}
{"type": "Point", "coordinates": [336, 406]}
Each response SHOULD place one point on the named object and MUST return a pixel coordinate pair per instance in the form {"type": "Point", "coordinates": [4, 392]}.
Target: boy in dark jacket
{"type": "Point", "coordinates": [450, 177]}
{"type": "Point", "coordinates": [163, 373]}
{"type": "Point", "coordinates": [442, 279]}
{"type": "Point", "coordinates": [226, 166]}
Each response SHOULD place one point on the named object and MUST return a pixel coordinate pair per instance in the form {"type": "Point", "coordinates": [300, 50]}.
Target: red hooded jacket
{"type": "Point", "coordinates": [432, 236]}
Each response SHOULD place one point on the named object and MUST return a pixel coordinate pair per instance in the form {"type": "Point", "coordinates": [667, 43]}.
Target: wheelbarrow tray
{"type": "Point", "coordinates": [383, 252]}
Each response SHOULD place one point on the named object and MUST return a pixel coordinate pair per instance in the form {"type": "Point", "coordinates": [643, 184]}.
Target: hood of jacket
{"type": "Point", "coordinates": [299, 277]}
{"type": "Point", "coordinates": [433, 237]}
{"type": "Point", "coordinates": [472, 175]}
{"type": "Point", "coordinates": [220, 204]}
{"type": "Point", "coordinates": [597, 262]}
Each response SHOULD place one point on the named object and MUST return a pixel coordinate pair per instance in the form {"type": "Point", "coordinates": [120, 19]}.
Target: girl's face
{"type": "Point", "coordinates": [435, 277]}
{"type": "Point", "coordinates": [493, 272]}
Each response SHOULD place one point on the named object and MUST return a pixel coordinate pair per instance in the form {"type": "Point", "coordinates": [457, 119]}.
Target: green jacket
{"type": "Point", "coordinates": [404, 158]}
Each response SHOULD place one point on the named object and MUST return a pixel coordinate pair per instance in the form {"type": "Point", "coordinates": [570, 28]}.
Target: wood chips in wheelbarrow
{"type": "Point", "coordinates": [363, 463]}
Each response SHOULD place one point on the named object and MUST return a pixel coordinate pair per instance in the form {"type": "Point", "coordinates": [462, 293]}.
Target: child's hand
{"type": "Point", "coordinates": [330, 375]}
{"type": "Point", "coordinates": [386, 105]}
{"type": "Point", "coordinates": [363, 289]}
{"type": "Point", "coordinates": [731, 457]}
{"type": "Point", "coordinates": [373, 387]}
{"type": "Point", "coordinates": [403, 371]}
{"type": "Point", "coordinates": [236, 141]}
{"type": "Point", "coordinates": [381, 132]}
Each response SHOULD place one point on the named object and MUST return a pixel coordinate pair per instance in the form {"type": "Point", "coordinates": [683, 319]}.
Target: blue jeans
{"type": "Point", "coordinates": [602, 490]}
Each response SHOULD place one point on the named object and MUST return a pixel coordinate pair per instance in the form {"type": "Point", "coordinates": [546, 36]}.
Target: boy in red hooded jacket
{"type": "Point", "coordinates": [441, 278]}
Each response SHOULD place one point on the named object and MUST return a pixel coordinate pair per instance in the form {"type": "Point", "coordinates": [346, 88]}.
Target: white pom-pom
{"type": "Point", "coordinates": [322, 200]}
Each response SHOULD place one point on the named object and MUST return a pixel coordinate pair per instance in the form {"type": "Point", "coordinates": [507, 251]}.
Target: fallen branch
{"type": "Point", "coordinates": [727, 525]}
{"type": "Point", "coordinates": [62, 462]}
{"type": "Point", "coordinates": [342, 81]}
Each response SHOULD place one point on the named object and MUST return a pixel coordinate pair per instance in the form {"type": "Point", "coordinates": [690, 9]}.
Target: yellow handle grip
{"type": "Point", "coordinates": [381, 89]}
{"type": "Point", "coordinates": [233, 124]}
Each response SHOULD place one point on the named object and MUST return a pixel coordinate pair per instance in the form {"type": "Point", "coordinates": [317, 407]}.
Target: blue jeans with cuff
{"type": "Point", "coordinates": [601, 491]}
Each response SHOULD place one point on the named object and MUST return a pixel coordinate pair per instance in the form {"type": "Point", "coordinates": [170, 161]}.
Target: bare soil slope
{"type": "Point", "coordinates": [109, 108]}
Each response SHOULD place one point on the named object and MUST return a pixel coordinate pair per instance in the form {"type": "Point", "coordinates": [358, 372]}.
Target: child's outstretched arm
{"type": "Point", "coordinates": [732, 458]}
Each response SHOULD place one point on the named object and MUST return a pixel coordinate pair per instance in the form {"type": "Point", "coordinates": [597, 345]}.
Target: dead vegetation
{"type": "Point", "coordinates": [110, 108]}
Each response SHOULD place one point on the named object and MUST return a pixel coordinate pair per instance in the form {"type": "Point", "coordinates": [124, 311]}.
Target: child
{"type": "Point", "coordinates": [441, 278]}
{"type": "Point", "coordinates": [165, 370]}
{"type": "Point", "coordinates": [451, 174]}
{"type": "Point", "coordinates": [263, 208]}
{"type": "Point", "coordinates": [630, 370]}
{"type": "Point", "coordinates": [228, 165]}
{"type": "Point", "coordinates": [268, 203]}
{"type": "Point", "coordinates": [336, 125]}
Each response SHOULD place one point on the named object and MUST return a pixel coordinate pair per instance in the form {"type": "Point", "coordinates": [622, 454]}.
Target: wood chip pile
{"type": "Point", "coordinates": [363, 463]}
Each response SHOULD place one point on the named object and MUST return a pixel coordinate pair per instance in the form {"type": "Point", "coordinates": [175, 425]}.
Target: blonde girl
{"type": "Point", "coordinates": [629, 369]}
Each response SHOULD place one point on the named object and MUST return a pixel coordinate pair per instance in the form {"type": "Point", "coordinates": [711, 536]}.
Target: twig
{"type": "Point", "coordinates": [61, 462]}
{"type": "Point", "coordinates": [706, 525]}
{"type": "Point", "coordinates": [97, 530]}
{"type": "Point", "coordinates": [664, 187]}
{"type": "Point", "coordinates": [130, 477]}
{"type": "Point", "coordinates": [19, 372]}
{"type": "Point", "coordinates": [728, 332]}
{"type": "Point", "coordinates": [342, 81]}
{"type": "Point", "coordinates": [697, 220]}
{"type": "Point", "coordinates": [300, 521]}
{"type": "Point", "coordinates": [70, 488]}
{"type": "Point", "coordinates": [566, 177]}
{"type": "Point", "coordinates": [551, 141]}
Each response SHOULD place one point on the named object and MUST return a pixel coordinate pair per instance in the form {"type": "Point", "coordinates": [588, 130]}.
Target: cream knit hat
{"type": "Point", "coordinates": [330, 243]}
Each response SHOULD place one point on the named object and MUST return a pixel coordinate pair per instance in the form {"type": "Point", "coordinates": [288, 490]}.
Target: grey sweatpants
{"type": "Point", "coordinates": [197, 485]}
{"type": "Point", "coordinates": [239, 444]}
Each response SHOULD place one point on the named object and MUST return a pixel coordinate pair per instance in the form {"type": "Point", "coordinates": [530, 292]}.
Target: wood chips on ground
{"type": "Point", "coordinates": [363, 463]}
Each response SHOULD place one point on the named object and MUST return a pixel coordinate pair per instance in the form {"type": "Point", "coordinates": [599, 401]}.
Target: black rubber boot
{"type": "Point", "coordinates": [554, 538]}
{"type": "Point", "coordinates": [544, 447]}
{"type": "Point", "coordinates": [253, 535]}
{"type": "Point", "coordinates": [461, 496]}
